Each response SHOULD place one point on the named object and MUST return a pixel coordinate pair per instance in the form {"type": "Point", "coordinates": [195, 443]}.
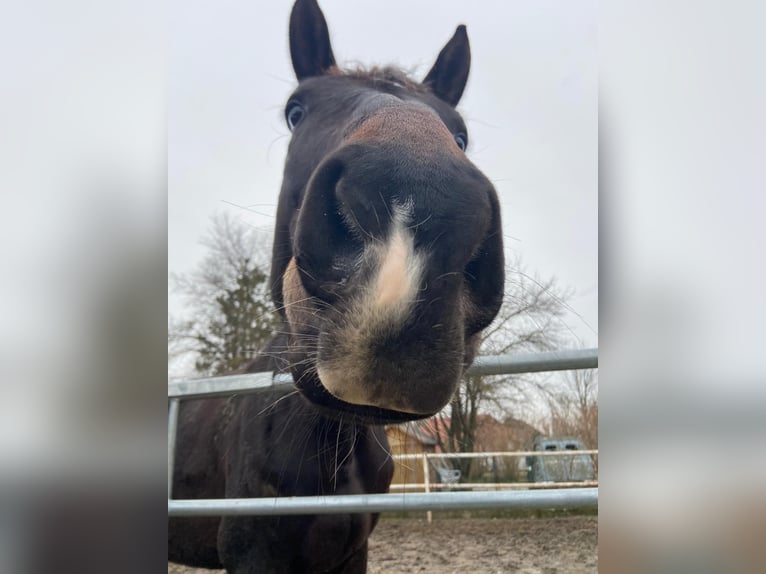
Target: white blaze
{"type": "Point", "coordinates": [382, 308]}
{"type": "Point", "coordinates": [396, 284]}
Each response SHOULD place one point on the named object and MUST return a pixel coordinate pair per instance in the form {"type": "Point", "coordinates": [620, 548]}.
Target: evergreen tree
{"type": "Point", "coordinates": [244, 323]}
{"type": "Point", "coordinates": [228, 299]}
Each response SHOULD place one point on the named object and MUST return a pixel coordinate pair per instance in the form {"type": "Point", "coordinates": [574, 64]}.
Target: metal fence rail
{"type": "Point", "coordinates": [515, 453]}
{"type": "Point", "coordinates": [531, 499]}
{"type": "Point", "coordinates": [488, 365]}
{"type": "Point", "coordinates": [492, 486]}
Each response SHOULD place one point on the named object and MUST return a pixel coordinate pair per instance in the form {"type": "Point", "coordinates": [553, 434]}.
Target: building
{"type": "Point", "coordinates": [411, 438]}
{"type": "Point", "coordinates": [491, 436]}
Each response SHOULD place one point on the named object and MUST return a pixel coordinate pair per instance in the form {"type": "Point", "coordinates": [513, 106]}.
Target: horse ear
{"type": "Point", "coordinates": [310, 47]}
{"type": "Point", "coordinates": [449, 75]}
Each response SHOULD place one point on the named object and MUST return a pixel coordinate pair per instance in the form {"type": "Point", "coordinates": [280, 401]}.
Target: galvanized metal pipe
{"type": "Point", "coordinates": [486, 365]}
{"type": "Point", "coordinates": [225, 386]}
{"type": "Point", "coordinates": [535, 362]}
{"type": "Point", "coordinates": [172, 432]}
{"type": "Point", "coordinates": [356, 503]}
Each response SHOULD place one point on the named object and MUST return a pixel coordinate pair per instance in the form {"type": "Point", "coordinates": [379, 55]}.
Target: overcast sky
{"type": "Point", "coordinates": [530, 107]}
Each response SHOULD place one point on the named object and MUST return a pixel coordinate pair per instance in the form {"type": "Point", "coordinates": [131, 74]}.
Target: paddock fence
{"type": "Point", "coordinates": [532, 496]}
{"type": "Point", "coordinates": [425, 458]}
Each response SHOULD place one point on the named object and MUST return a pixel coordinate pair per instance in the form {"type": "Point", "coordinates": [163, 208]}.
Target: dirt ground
{"type": "Point", "coordinates": [463, 546]}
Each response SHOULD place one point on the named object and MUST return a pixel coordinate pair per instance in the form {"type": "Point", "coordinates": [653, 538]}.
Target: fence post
{"type": "Point", "coordinates": [172, 431]}
{"type": "Point", "coordinates": [427, 482]}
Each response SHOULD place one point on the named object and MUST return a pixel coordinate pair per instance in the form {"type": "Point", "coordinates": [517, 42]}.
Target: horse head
{"type": "Point", "coordinates": [388, 254]}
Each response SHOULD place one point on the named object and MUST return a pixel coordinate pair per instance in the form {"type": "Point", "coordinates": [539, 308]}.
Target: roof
{"type": "Point", "coordinates": [419, 431]}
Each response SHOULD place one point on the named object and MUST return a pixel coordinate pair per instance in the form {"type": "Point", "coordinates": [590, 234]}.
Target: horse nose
{"type": "Point", "coordinates": [394, 234]}
{"type": "Point", "coordinates": [347, 213]}
{"type": "Point", "coordinates": [373, 196]}
{"type": "Point", "coordinates": [355, 202]}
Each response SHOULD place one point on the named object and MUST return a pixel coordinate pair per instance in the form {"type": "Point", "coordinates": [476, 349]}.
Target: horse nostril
{"type": "Point", "coordinates": [325, 248]}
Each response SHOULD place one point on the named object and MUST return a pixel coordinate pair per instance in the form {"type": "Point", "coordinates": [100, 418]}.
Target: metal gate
{"type": "Point", "coordinates": [328, 504]}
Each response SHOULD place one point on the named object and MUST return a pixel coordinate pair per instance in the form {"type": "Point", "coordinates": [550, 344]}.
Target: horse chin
{"type": "Point", "coordinates": [313, 390]}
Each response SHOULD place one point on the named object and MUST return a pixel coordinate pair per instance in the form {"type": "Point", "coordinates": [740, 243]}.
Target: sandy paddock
{"type": "Point", "coordinates": [468, 545]}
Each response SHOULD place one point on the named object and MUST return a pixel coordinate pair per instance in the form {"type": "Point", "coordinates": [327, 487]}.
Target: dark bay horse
{"type": "Point", "coordinates": [387, 264]}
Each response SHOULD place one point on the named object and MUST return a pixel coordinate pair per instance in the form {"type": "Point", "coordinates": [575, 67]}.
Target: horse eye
{"type": "Point", "coordinates": [460, 140]}
{"type": "Point", "coordinates": [294, 114]}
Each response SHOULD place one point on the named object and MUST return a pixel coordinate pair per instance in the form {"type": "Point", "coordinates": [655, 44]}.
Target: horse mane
{"type": "Point", "coordinates": [381, 75]}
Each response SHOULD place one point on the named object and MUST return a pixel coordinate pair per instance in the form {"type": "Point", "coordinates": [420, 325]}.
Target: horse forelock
{"type": "Point", "coordinates": [389, 75]}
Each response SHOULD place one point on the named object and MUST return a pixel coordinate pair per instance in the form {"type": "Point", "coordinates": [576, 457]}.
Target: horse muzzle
{"type": "Point", "coordinates": [380, 292]}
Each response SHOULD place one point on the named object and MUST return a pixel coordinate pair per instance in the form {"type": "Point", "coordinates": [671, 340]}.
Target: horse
{"type": "Point", "coordinates": [387, 264]}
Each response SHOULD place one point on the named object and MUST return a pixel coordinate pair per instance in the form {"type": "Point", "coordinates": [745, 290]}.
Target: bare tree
{"type": "Point", "coordinates": [231, 314]}
{"type": "Point", "coordinates": [574, 407]}
{"type": "Point", "coordinates": [531, 319]}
